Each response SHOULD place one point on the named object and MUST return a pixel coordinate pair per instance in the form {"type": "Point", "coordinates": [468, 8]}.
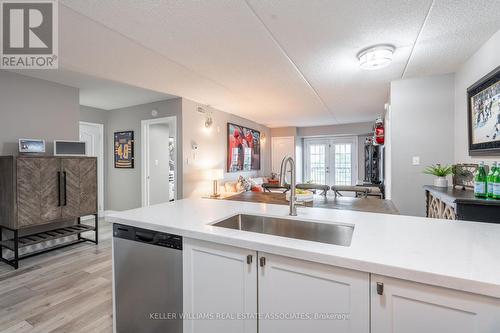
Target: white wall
{"type": "Point", "coordinates": [486, 59]}
{"type": "Point", "coordinates": [213, 147]}
{"type": "Point", "coordinates": [422, 111]}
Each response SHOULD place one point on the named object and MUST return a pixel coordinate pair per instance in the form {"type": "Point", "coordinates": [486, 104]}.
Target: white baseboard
{"type": "Point", "coordinates": [109, 212]}
{"type": "Point", "coordinates": [100, 214]}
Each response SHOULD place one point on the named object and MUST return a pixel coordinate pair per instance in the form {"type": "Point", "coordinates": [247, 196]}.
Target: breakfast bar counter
{"type": "Point", "coordinates": [373, 205]}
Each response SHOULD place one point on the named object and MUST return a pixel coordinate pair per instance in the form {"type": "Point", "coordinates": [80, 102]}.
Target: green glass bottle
{"type": "Point", "coordinates": [490, 179]}
{"type": "Point", "coordinates": [496, 183]}
{"type": "Point", "coordinates": [480, 182]}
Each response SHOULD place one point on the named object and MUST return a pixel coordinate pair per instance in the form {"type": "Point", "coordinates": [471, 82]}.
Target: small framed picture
{"type": "Point", "coordinates": [124, 150]}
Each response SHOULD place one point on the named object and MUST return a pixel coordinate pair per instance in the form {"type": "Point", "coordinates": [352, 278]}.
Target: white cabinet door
{"type": "Point", "coordinates": [409, 307]}
{"type": "Point", "coordinates": [220, 283]}
{"type": "Point", "coordinates": [300, 290]}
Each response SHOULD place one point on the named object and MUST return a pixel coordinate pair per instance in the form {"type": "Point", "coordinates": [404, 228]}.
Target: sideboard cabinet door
{"type": "Point", "coordinates": [410, 307]}
{"type": "Point", "coordinates": [50, 189]}
{"type": "Point", "coordinates": [88, 186]}
{"type": "Point", "coordinates": [70, 168]}
{"type": "Point", "coordinates": [28, 192]}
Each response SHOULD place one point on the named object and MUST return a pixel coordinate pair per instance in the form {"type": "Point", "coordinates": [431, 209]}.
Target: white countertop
{"type": "Point", "coordinates": [458, 255]}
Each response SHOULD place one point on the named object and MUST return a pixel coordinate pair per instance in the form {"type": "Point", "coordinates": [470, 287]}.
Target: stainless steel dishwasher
{"type": "Point", "coordinates": [147, 280]}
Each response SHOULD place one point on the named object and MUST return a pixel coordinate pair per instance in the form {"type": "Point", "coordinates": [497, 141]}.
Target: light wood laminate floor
{"type": "Point", "coordinates": [66, 290]}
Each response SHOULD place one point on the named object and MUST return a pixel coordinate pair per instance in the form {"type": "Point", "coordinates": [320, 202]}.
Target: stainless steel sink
{"type": "Point", "coordinates": [311, 231]}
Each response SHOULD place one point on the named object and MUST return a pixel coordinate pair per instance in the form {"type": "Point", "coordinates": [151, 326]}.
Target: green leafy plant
{"type": "Point", "coordinates": [438, 170]}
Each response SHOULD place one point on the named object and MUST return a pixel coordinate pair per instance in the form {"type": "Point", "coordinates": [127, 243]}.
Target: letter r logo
{"type": "Point", "coordinates": [27, 27]}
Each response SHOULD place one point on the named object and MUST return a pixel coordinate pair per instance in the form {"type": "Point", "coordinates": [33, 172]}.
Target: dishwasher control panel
{"type": "Point", "coordinates": [147, 236]}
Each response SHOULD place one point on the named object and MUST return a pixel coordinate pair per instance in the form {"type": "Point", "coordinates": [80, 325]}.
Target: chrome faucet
{"type": "Point", "coordinates": [289, 160]}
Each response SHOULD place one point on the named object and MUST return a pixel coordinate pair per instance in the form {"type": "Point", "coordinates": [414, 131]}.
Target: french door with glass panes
{"type": "Point", "coordinates": [330, 161]}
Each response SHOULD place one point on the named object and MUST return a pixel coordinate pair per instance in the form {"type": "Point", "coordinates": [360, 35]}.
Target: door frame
{"type": "Point", "coordinates": [171, 121]}
{"type": "Point", "coordinates": [100, 164]}
{"type": "Point", "coordinates": [333, 139]}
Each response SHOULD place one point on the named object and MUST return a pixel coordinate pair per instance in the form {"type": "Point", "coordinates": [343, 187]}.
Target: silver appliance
{"type": "Point", "coordinates": [147, 280]}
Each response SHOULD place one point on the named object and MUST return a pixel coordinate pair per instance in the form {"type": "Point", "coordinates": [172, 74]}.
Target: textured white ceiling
{"type": "Point", "coordinates": [453, 32]}
{"type": "Point", "coordinates": [282, 62]}
{"type": "Point", "coordinates": [99, 93]}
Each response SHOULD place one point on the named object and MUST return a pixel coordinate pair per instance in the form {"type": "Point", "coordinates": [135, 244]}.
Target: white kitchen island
{"type": "Point", "coordinates": [400, 274]}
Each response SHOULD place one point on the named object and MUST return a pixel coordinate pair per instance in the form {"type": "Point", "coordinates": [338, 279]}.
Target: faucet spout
{"type": "Point", "coordinates": [288, 160]}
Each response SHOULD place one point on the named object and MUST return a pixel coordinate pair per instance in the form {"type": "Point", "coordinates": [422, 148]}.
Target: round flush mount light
{"type": "Point", "coordinates": [376, 57]}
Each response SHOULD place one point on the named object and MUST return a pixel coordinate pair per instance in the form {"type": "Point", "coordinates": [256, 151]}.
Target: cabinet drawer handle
{"type": "Point", "coordinates": [262, 261]}
{"type": "Point", "coordinates": [380, 288]}
{"type": "Point", "coordinates": [58, 188]}
{"type": "Point", "coordinates": [65, 189]}
{"type": "Point", "coordinates": [249, 259]}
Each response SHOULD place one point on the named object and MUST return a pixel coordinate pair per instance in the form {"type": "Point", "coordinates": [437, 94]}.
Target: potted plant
{"type": "Point", "coordinates": [441, 172]}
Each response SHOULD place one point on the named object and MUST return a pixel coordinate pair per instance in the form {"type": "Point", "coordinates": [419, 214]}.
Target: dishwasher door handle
{"type": "Point", "coordinates": [144, 237]}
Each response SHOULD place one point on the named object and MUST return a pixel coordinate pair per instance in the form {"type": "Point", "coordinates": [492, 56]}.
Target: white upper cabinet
{"type": "Point", "coordinates": [221, 281]}
{"type": "Point", "coordinates": [408, 307]}
{"type": "Point", "coordinates": [294, 287]}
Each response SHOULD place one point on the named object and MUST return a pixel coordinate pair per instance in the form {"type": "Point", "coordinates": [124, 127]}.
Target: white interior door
{"type": "Point", "coordinates": [93, 135]}
{"type": "Point", "coordinates": [159, 160]}
{"type": "Point", "coordinates": [331, 161]}
{"type": "Point", "coordinates": [158, 163]}
{"type": "Point", "coordinates": [281, 147]}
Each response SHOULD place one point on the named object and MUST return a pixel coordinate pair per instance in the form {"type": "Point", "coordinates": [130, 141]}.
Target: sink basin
{"type": "Point", "coordinates": [311, 231]}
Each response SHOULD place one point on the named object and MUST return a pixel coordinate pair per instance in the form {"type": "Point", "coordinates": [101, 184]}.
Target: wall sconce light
{"type": "Point", "coordinates": [209, 121]}
{"type": "Point", "coordinates": [263, 138]}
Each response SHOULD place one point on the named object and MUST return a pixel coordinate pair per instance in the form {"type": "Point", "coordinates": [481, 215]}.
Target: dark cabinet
{"type": "Point", "coordinates": [457, 204]}
{"type": "Point", "coordinates": [46, 189]}
{"type": "Point", "coordinates": [36, 192]}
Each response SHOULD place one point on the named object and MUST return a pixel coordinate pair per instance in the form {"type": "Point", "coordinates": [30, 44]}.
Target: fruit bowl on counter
{"type": "Point", "coordinates": [301, 195]}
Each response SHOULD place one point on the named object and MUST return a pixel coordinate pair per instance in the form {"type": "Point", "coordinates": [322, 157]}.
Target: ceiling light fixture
{"type": "Point", "coordinates": [376, 57]}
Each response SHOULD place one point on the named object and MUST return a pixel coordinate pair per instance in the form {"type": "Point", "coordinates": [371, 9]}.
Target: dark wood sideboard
{"type": "Point", "coordinates": [457, 204]}
{"type": "Point", "coordinates": [38, 194]}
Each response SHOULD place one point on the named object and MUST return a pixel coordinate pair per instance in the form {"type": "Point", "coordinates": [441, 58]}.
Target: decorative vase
{"type": "Point", "coordinates": [441, 182]}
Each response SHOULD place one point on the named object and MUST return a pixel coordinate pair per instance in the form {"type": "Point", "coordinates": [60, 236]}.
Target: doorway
{"type": "Point", "coordinates": [331, 160]}
{"type": "Point", "coordinates": [281, 147]}
{"type": "Point", "coordinates": [93, 135]}
{"type": "Point", "coordinates": [159, 160]}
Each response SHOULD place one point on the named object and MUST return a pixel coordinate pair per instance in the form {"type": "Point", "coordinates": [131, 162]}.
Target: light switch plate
{"type": "Point", "coordinates": [416, 160]}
